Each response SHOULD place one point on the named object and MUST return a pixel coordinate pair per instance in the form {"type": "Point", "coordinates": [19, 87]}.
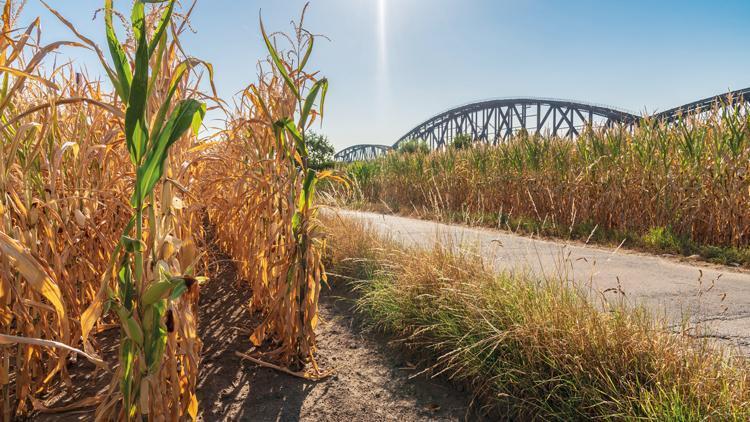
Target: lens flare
{"type": "Point", "coordinates": [381, 75]}
{"type": "Point", "coordinates": [382, 38]}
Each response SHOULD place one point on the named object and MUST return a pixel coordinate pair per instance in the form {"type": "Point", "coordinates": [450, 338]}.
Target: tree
{"type": "Point", "coordinates": [320, 151]}
{"type": "Point", "coordinates": [461, 141]}
{"type": "Point", "coordinates": [411, 146]}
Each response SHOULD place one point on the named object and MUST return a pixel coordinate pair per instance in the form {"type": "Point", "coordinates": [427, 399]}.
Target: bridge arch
{"type": "Point", "coordinates": [498, 119]}
{"type": "Point", "coordinates": [362, 152]}
{"type": "Point", "coordinates": [494, 120]}
{"type": "Point", "coordinates": [739, 98]}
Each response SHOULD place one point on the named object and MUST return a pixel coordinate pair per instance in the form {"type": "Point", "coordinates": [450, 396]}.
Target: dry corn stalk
{"type": "Point", "coordinates": [261, 200]}
{"type": "Point", "coordinates": [59, 208]}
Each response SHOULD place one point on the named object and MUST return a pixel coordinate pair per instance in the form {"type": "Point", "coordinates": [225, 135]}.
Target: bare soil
{"type": "Point", "coordinates": [371, 380]}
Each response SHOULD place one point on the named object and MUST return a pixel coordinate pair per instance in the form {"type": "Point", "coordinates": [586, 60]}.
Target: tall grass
{"type": "Point", "coordinates": [689, 179]}
{"type": "Point", "coordinates": [535, 348]}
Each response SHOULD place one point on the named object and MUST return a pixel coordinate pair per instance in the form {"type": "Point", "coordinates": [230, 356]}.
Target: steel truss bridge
{"type": "Point", "coordinates": [496, 120]}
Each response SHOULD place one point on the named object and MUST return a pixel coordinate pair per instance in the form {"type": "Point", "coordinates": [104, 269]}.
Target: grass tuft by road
{"type": "Point", "coordinates": [532, 347]}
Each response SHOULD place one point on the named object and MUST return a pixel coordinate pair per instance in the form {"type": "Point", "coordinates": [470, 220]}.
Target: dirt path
{"type": "Point", "coordinates": [717, 297]}
{"type": "Point", "coordinates": [371, 381]}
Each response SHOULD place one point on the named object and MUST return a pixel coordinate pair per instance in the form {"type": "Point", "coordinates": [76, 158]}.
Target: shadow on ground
{"type": "Point", "coordinates": [371, 380]}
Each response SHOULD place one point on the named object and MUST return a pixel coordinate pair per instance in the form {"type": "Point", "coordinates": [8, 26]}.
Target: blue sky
{"type": "Point", "coordinates": [394, 63]}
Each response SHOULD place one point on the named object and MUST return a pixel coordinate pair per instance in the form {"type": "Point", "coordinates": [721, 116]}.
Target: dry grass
{"type": "Point", "coordinates": [535, 348]}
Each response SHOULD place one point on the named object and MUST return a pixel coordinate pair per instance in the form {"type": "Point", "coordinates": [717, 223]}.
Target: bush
{"type": "Point", "coordinates": [461, 141]}
{"type": "Point", "coordinates": [662, 238]}
{"type": "Point", "coordinates": [413, 146]}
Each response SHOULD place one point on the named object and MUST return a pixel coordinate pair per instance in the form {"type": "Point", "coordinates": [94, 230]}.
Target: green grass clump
{"type": "Point", "coordinates": [662, 238]}
{"type": "Point", "coordinates": [536, 349]}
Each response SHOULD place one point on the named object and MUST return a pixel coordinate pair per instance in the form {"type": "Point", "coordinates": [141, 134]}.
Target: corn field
{"type": "Point", "coordinates": [689, 177]}
{"type": "Point", "coordinates": [106, 190]}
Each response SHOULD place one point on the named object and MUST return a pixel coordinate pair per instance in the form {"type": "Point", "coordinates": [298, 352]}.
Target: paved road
{"type": "Point", "coordinates": [676, 289]}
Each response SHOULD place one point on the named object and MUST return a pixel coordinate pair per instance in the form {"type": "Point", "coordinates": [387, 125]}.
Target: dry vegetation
{"type": "Point", "coordinates": [681, 188]}
{"type": "Point", "coordinates": [259, 195]}
{"type": "Point", "coordinates": [532, 348]}
{"type": "Point", "coordinates": [105, 195]}
{"type": "Point", "coordinates": [103, 198]}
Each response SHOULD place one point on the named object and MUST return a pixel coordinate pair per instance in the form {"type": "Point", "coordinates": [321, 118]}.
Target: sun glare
{"type": "Point", "coordinates": [382, 39]}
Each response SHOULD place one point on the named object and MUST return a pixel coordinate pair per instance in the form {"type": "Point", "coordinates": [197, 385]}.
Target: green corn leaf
{"type": "Point", "coordinates": [280, 136]}
{"type": "Point", "coordinates": [138, 20]}
{"type": "Point", "coordinates": [308, 190]}
{"type": "Point", "coordinates": [161, 46]}
{"type": "Point", "coordinates": [310, 101]}
{"type": "Point", "coordinates": [127, 356]}
{"type": "Point", "coordinates": [299, 141]}
{"type": "Point", "coordinates": [181, 120]}
{"type": "Point", "coordinates": [180, 71]}
{"type": "Point", "coordinates": [135, 128]}
{"type": "Point", "coordinates": [161, 115]}
{"type": "Point", "coordinates": [178, 290]}
{"type": "Point", "coordinates": [122, 65]}
{"type": "Point", "coordinates": [307, 55]}
{"type": "Point", "coordinates": [131, 245]}
{"type": "Point", "coordinates": [132, 329]}
{"type": "Point", "coordinates": [157, 337]}
{"type": "Point", "coordinates": [195, 125]}
{"type": "Point", "coordinates": [125, 281]}
{"type": "Point", "coordinates": [304, 202]}
{"type": "Point", "coordinates": [180, 285]}
{"type": "Point", "coordinates": [323, 94]}
{"type": "Point", "coordinates": [166, 18]}
{"type": "Point", "coordinates": [277, 61]}
{"type": "Point", "coordinates": [158, 345]}
{"type": "Point", "coordinates": [296, 222]}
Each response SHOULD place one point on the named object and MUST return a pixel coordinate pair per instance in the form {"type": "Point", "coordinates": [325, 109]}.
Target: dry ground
{"type": "Point", "coordinates": [372, 381]}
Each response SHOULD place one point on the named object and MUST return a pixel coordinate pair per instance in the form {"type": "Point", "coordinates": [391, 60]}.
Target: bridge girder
{"type": "Point", "coordinates": [361, 152]}
{"type": "Point", "coordinates": [495, 120]}
{"type": "Point", "coordinates": [738, 98]}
